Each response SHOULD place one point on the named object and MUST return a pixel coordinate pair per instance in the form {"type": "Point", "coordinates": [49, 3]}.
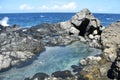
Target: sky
{"type": "Point", "coordinates": [25, 6]}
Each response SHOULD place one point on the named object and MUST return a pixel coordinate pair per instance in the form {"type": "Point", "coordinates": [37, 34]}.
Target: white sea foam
{"type": "Point", "coordinates": [108, 18]}
{"type": "Point", "coordinates": [4, 21]}
{"type": "Point", "coordinates": [42, 16]}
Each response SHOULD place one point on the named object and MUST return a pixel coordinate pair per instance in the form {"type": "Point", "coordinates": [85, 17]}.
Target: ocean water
{"type": "Point", "coordinates": [51, 60]}
{"type": "Point", "coordinates": [31, 19]}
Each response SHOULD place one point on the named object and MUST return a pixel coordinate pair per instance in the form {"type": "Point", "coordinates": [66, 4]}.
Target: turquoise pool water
{"type": "Point", "coordinates": [51, 60]}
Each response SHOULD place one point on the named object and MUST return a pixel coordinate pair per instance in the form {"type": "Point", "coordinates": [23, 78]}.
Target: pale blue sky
{"type": "Point", "coordinates": [96, 6]}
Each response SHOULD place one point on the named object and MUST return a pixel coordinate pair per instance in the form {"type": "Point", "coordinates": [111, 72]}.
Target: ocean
{"type": "Point", "coordinates": [53, 58]}
{"type": "Point", "coordinates": [31, 19]}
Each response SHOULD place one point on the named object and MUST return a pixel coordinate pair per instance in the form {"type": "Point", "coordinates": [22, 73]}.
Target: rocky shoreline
{"type": "Point", "coordinates": [20, 44]}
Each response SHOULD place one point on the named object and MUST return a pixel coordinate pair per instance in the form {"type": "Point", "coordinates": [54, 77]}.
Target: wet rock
{"type": "Point", "coordinates": [62, 74]}
{"type": "Point", "coordinates": [52, 78]}
{"type": "Point", "coordinates": [27, 79]}
{"type": "Point", "coordinates": [39, 76]}
{"type": "Point", "coordinates": [76, 68]}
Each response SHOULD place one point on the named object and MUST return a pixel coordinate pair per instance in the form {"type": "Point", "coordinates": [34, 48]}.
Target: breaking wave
{"type": "Point", "coordinates": [4, 21]}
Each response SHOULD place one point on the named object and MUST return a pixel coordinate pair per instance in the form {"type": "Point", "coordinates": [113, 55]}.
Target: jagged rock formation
{"type": "Point", "coordinates": [14, 48]}
{"type": "Point", "coordinates": [50, 34]}
{"type": "Point", "coordinates": [83, 26]}
{"type": "Point", "coordinates": [86, 23]}
{"type": "Point", "coordinates": [99, 69]}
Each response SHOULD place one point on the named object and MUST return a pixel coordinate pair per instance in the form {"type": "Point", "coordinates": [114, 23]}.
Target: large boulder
{"type": "Point", "coordinates": [62, 74]}
{"type": "Point", "coordinates": [110, 40]}
{"type": "Point", "coordinates": [86, 23]}
{"type": "Point", "coordinates": [88, 26]}
{"type": "Point", "coordinates": [39, 76]}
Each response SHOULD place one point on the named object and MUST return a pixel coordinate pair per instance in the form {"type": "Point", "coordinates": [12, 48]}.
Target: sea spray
{"type": "Point", "coordinates": [4, 21]}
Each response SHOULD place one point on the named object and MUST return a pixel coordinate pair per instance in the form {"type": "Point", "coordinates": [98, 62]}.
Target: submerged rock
{"type": "Point", "coordinates": [58, 75]}
{"type": "Point", "coordinates": [62, 74]}
{"type": "Point", "coordinates": [39, 76]}
{"type": "Point", "coordinates": [76, 68]}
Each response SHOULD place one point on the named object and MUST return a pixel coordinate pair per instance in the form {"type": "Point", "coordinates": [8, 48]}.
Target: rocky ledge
{"type": "Point", "coordinates": [14, 48]}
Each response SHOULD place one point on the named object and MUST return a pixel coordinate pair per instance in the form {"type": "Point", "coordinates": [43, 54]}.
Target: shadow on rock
{"type": "Point", "coordinates": [114, 72]}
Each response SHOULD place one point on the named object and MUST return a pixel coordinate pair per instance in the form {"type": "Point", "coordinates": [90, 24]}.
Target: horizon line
{"type": "Point", "coordinates": [53, 12]}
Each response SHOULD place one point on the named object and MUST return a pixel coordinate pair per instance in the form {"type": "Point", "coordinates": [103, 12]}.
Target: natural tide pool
{"type": "Point", "coordinates": [51, 60]}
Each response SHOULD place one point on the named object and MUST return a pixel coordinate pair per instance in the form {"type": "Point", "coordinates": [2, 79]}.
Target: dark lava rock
{"type": "Point", "coordinates": [62, 74]}
{"type": "Point", "coordinates": [40, 76]}
{"type": "Point", "coordinates": [27, 79]}
{"type": "Point", "coordinates": [76, 68]}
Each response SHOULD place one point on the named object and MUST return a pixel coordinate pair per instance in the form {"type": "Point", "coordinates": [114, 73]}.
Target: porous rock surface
{"type": "Point", "coordinates": [15, 49]}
